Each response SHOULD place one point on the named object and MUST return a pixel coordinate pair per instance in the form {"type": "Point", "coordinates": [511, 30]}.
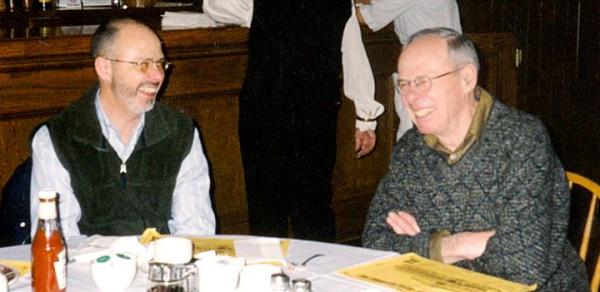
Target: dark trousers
{"type": "Point", "coordinates": [288, 169]}
{"type": "Point", "coordinates": [288, 116]}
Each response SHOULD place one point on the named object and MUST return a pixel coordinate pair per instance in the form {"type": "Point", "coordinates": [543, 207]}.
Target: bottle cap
{"type": "Point", "coordinates": [47, 194]}
{"type": "Point", "coordinates": [47, 208]}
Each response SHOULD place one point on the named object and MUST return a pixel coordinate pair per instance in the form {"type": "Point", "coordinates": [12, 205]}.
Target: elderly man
{"type": "Point", "coordinates": [478, 184]}
{"type": "Point", "coordinates": [120, 161]}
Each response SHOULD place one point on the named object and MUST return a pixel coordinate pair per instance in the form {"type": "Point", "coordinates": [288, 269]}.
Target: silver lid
{"type": "Point", "coordinates": [280, 282]}
{"type": "Point", "coordinates": [160, 272]}
{"type": "Point", "coordinates": [301, 285]}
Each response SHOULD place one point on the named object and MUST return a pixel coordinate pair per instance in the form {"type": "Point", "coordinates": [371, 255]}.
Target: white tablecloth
{"type": "Point", "coordinates": [320, 271]}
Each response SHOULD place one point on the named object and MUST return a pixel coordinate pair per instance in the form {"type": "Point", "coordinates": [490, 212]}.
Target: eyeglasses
{"type": "Point", "coordinates": [422, 83]}
{"type": "Point", "coordinates": [162, 65]}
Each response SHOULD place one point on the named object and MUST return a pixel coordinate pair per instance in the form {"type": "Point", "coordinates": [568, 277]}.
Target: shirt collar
{"type": "Point", "coordinates": [111, 132]}
{"type": "Point", "coordinates": [482, 112]}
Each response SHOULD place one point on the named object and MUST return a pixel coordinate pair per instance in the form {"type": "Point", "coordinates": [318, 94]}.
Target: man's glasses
{"type": "Point", "coordinates": [422, 83]}
{"type": "Point", "coordinates": [162, 65]}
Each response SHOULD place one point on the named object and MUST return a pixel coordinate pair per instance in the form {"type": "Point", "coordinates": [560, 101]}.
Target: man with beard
{"type": "Point", "coordinates": [120, 161]}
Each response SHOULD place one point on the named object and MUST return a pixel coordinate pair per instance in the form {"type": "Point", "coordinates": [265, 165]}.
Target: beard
{"type": "Point", "coordinates": [128, 95]}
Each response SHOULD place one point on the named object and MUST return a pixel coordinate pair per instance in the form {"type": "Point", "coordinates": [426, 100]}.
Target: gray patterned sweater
{"type": "Point", "coordinates": [510, 180]}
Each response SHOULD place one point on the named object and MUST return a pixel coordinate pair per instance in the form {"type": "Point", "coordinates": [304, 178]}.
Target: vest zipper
{"type": "Point", "coordinates": [123, 176]}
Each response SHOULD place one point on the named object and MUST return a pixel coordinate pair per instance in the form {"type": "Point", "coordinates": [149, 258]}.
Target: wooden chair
{"type": "Point", "coordinates": [594, 189]}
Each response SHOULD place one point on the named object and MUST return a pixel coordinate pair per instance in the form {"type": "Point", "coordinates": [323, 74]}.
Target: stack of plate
{"type": "Point", "coordinates": [10, 274]}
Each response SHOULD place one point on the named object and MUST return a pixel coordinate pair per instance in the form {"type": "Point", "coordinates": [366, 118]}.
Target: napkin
{"type": "Point", "coordinates": [187, 19]}
{"type": "Point", "coordinates": [259, 249]}
{"type": "Point", "coordinates": [98, 245]}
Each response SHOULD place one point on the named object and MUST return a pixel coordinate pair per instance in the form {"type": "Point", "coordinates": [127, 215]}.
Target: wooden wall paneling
{"type": "Point", "coordinates": [37, 81]}
{"type": "Point", "coordinates": [498, 73]}
{"type": "Point", "coordinates": [584, 138]}
{"type": "Point", "coordinates": [477, 16]}
{"type": "Point", "coordinates": [550, 55]}
{"type": "Point", "coordinates": [14, 142]}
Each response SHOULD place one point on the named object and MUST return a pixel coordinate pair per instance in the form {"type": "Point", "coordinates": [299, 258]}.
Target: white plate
{"type": "Point", "coordinates": [11, 274]}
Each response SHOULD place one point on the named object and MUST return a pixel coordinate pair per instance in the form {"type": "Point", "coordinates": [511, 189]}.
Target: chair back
{"type": "Point", "coordinates": [14, 207]}
{"type": "Point", "coordinates": [594, 189]}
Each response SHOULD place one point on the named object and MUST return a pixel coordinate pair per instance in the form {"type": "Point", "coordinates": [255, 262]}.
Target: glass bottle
{"type": "Point", "coordinates": [43, 5]}
{"type": "Point", "coordinates": [48, 252]}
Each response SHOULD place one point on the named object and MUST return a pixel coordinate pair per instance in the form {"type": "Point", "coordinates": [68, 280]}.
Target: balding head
{"type": "Point", "coordinates": [104, 38]}
{"type": "Point", "coordinates": [460, 48]}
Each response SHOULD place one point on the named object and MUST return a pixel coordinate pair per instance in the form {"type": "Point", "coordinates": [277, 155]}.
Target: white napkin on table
{"type": "Point", "coordinates": [97, 245]}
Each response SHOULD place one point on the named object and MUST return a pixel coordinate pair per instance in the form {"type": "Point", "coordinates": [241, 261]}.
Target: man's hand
{"type": "Point", "coordinates": [465, 246]}
{"type": "Point", "coordinates": [403, 223]}
{"type": "Point", "coordinates": [365, 142]}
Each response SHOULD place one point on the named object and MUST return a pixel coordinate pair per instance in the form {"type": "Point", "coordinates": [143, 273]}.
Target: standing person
{"type": "Point", "coordinates": [288, 114]}
{"type": "Point", "coordinates": [121, 161]}
{"type": "Point", "coordinates": [478, 185]}
{"type": "Point", "coordinates": [409, 16]}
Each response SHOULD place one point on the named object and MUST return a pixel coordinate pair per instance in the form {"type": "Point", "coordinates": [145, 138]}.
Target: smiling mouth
{"type": "Point", "coordinates": [423, 112]}
{"type": "Point", "coordinates": [149, 90]}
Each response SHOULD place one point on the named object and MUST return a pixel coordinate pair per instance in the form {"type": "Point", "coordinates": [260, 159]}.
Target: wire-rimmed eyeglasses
{"type": "Point", "coordinates": [162, 65]}
{"type": "Point", "coordinates": [422, 83]}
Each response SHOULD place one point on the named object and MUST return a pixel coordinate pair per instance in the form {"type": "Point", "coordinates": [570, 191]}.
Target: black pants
{"type": "Point", "coordinates": [288, 116]}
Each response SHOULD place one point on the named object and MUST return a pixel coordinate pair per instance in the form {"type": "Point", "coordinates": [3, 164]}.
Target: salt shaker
{"type": "Point", "coordinates": [280, 282]}
{"type": "Point", "coordinates": [300, 285]}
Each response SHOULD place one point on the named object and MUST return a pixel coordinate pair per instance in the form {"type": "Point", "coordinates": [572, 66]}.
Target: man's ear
{"type": "Point", "coordinates": [103, 68]}
{"type": "Point", "coordinates": [468, 78]}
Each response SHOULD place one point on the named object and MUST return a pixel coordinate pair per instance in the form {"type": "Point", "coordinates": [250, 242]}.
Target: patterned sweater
{"type": "Point", "coordinates": [510, 181]}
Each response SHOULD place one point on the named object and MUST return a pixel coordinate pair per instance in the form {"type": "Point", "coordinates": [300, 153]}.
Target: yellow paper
{"type": "Point", "coordinates": [22, 267]}
{"type": "Point", "coordinates": [223, 246]}
{"type": "Point", "coordinates": [410, 272]}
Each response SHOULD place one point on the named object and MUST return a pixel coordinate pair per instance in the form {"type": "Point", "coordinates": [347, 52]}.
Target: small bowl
{"type": "Point", "coordinates": [114, 272]}
{"type": "Point", "coordinates": [172, 250]}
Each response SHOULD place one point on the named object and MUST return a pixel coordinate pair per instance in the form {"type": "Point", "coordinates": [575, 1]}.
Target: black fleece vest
{"type": "Point", "coordinates": [118, 198]}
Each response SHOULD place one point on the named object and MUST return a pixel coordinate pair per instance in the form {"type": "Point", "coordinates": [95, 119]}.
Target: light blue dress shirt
{"type": "Point", "coordinates": [410, 16]}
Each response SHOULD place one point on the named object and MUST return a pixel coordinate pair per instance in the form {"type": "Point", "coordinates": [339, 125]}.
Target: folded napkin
{"type": "Point", "coordinates": [98, 245]}
{"type": "Point", "coordinates": [187, 19]}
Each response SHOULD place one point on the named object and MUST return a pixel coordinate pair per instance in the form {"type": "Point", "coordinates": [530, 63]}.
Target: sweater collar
{"type": "Point", "coordinates": [482, 112]}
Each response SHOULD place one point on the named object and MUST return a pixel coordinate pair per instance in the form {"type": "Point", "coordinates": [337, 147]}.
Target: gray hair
{"type": "Point", "coordinates": [460, 48]}
{"type": "Point", "coordinates": [104, 36]}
